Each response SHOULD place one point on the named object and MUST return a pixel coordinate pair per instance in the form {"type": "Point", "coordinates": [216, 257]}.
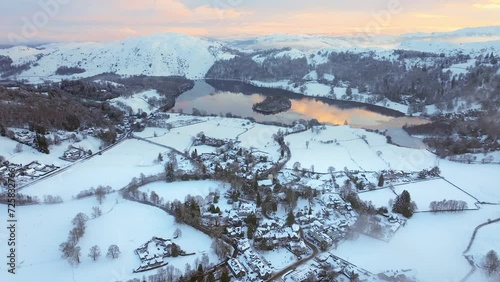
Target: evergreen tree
{"type": "Point", "coordinates": [169, 171]}
{"type": "Point", "coordinates": [41, 144]}
{"type": "Point", "coordinates": [194, 154]}
{"type": "Point", "coordinates": [290, 218]}
{"type": "Point", "coordinates": [348, 91]}
{"type": "Point", "coordinates": [259, 200]}
{"type": "Point", "coordinates": [211, 277]}
{"type": "Point", "coordinates": [201, 273]}
{"type": "Point", "coordinates": [404, 205]}
{"type": "Point", "coordinates": [491, 262]}
{"type": "Point", "coordinates": [381, 180]}
{"type": "Point", "coordinates": [225, 277]}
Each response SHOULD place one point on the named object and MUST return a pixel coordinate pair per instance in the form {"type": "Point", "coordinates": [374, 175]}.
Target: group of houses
{"type": "Point", "coordinates": [153, 252]}
{"type": "Point", "coordinates": [26, 173]}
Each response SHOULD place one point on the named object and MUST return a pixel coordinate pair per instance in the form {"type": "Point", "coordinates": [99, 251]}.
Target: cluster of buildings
{"type": "Point", "coordinates": [274, 234]}
{"type": "Point", "coordinates": [152, 253]}
{"type": "Point", "coordinates": [256, 264]}
{"type": "Point", "coordinates": [74, 154]}
{"type": "Point", "coordinates": [228, 155]}
{"type": "Point", "coordinates": [26, 173]}
{"type": "Point", "coordinates": [330, 225]}
{"type": "Point", "coordinates": [344, 270]}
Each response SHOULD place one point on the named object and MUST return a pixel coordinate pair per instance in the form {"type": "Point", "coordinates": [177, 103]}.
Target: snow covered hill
{"type": "Point", "coordinates": [154, 55]}
{"type": "Point", "coordinates": [466, 40]}
{"type": "Point", "coordinates": [167, 54]}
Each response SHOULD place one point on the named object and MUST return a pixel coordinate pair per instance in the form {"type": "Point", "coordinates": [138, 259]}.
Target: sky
{"type": "Point", "coordinates": [32, 21]}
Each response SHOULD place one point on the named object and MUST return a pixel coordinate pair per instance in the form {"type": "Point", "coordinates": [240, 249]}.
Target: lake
{"type": "Point", "coordinates": [222, 97]}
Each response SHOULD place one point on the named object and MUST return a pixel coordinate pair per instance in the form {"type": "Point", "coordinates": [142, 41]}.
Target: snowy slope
{"type": "Point", "coordinates": [473, 39]}
{"type": "Point", "coordinates": [155, 55]}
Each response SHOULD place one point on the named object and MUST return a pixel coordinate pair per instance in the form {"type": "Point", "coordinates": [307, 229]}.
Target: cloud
{"type": "Point", "coordinates": [430, 16]}
{"type": "Point", "coordinates": [95, 20]}
{"type": "Point", "coordinates": [488, 5]}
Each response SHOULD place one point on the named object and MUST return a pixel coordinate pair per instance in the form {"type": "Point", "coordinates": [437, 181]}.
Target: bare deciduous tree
{"type": "Point", "coordinates": [96, 212]}
{"type": "Point", "coordinates": [220, 248]}
{"type": "Point", "coordinates": [18, 148]}
{"type": "Point", "coordinates": [100, 194]}
{"type": "Point", "coordinates": [113, 251]}
{"type": "Point", "coordinates": [177, 233]}
{"type": "Point", "coordinates": [94, 252]}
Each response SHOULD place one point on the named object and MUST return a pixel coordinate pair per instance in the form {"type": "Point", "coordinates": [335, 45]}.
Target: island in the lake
{"type": "Point", "coordinates": [273, 105]}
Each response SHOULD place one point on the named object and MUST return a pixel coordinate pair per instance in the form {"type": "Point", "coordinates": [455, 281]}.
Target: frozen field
{"type": "Point", "coordinates": [138, 102]}
{"type": "Point", "coordinates": [424, 244]}
{"type": "Point", "coordinates": [30, 154]}
{"type": "Point", "coordinates": [477, 179]}
{"type": "Point", "coordinates": [115, 168]}
{"type": "Point", "coordinates": [181, 137]}
{"type": "Point", "coordinates": [379, 198]}
{"type": "Point", "coordinates": [279, 258]}
{"type": "Point", "coordinates": [486, 240]}
{"type": "Point", "coordinates": [127, 224]}
{"type": "Point", "coordinates": [249, 134]}
{"type": "Point", "coordinates": [353, 152]}
{"type": "Point", "coordinates": [423, 193]}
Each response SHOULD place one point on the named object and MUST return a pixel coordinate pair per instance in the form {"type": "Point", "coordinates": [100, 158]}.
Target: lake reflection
{"type": "Point", "coordinates": [206, 98]}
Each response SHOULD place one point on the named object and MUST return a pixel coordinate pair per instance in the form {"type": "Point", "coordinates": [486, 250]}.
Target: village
{"type": "Point", "coordinates": [279, 218]}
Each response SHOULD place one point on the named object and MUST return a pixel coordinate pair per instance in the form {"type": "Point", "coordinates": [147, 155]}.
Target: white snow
{"type": "Point", "coordinates": [115, 168]}
{"type": "Point", "coordinates": [423, 193]}
{"type": "Point", "coordinates": [379, 198]}
{"type": "Point", "coordinates": [129, 225]}
{"type": "Point", "coordinates": [354, 153]}
{"type": "Point", "coordinates": [432, 244]}
{"type": "Point", "coordinates": [155, 55]}
{"type": "Point", "coordinates": [138, 101]}
{"type": "Point", "coordinates": [477, 179]}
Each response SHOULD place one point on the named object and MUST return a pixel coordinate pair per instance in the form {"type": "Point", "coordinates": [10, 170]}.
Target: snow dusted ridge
{"type": "Point", "coordinates": [469, 40]}
{"type": "Point", "coordinates": [167, 54]}
{"type": "Point", "coordinates": [163, 54]}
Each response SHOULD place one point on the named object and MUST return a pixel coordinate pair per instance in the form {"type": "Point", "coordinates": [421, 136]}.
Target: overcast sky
{"type": "Point", "coordinates": [103, 20]}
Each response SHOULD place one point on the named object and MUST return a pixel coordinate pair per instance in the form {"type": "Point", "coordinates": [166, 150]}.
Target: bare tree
{"type": "Point", "coordinates": [100, 194]}
{"type": "Point", "coordinates": [491, 262]}
{"type": "Point", "coordinates": [18, 148]}
{"type": "Point", "coordinates": [177, 233]}
{"type": "Point", "coordinates": [94, 252]}
{"type": "Point", "coordinates": [96, 212]}
{"type": "Point", "coordinates": [220, 248]}
{"type": "Point", "coordinates": [80, 220]}
{"type": "Point", "coordinates": [70, 252]}
{"type": "Point", "coordinates": [113, 251]}
{"type": "Point", "coordinates": [296, 166]}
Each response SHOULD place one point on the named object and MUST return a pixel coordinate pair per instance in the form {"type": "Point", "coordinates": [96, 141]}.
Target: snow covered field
{"type": "Point", "coordinates": [423, 193]}
{"type": "Point", "coordinates": [432, 244]}
{"type": "Point", "coordinates": [115, 168]}
{"type": "Point", "coordinates": [353, 152]}
{"type": "Point", "coordinates": [379, 198]}
{"type": "Point", "coordinates": [30, 154]}
{"type": "Point", "coordinates": [279, 258]}
{"type": "Point", "coordinates": [477, 179]}
{"type": "Point", "coordinates": [181, 137]}
{"type": "Point", "coordinates": [138, 101]}
{"type": "Point", "coordinates": [126, 224]}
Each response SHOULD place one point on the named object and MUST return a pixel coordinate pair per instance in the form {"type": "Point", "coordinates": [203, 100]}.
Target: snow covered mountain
{"type": "Point", "coordinates": [466, 40]}
{"type": "Point", "coordinates": [154, 55]}
{"type": "Point", "coordinates": [167, 54]}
